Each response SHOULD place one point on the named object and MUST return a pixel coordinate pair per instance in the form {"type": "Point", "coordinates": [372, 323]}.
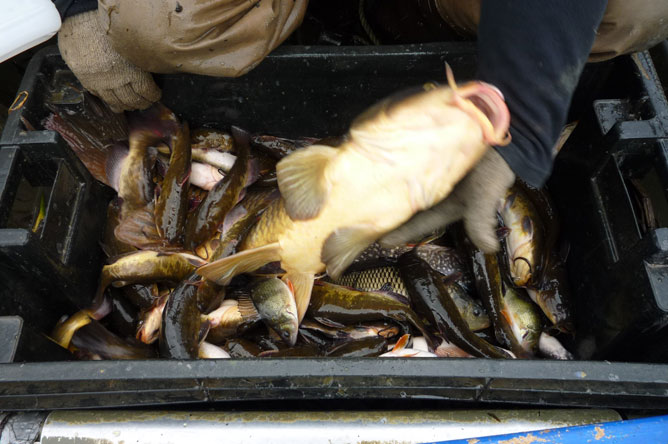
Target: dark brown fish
{"type": "Point", "coordinates": [124, 315]}
{"type": "Point", "coordinates": [490, 289]}
{"type": "Point", "coordinates": [545, 207]}
{"type": "Point", "coordinates": [337, 306]}
{"type": "Point", "coordinates": [362, 348]}
{"type": "Point", "coordinates": [389, 279]}
{"type": "Point", "coordinates": [353, 332]}
{"type": "Point", "coordinates": [312, 338]}
{"type": "Point", "coordinates": [525, 244]}
{"type": "Point", "coordinates": [448, 262]}
{"type": "Point", "coordinates": [129, 172]}
{"type": "Point", "coordinates": [432, 297]}
{"type": "Point", "coordinates": [171, 205]}
{"type": "Point", "coordinates": [553, 296]}
{"type": "Point", "coordinates": [203, 224]}
{"type": "Point", "coordinates": [209, 296]}
{"type": "Point", "coordinates": [147, 267]}
{"type": "Point", "coordinates": [181, 324]}
{"type": "Point", "coordinates": [142, 296]}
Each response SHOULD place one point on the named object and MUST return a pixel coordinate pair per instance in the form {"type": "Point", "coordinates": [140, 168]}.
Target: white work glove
{"type": "Point", "coordinates": [100, 69]}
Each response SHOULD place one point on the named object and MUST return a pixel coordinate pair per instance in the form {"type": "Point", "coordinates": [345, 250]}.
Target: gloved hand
{"type": "Point", "coordinates": [100, 69]}
{"type": "Point", "coordinates": [474, 200]}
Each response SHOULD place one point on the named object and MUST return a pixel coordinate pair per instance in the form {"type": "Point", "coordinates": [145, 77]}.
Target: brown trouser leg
{"type": "Point", "coordinates": [211, 37]}
{"type": "Point", "coordinates": [627, 26]}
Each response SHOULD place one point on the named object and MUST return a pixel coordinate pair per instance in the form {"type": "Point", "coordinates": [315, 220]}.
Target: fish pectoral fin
{"type": "Point", "coordinates": [302, 284]}
{"type": "Point", "coordinates": [223, 270]}
{"type": "Point", "coordinates": [303, 182]}
{"type": "Point", "coordinates": [344, 245]}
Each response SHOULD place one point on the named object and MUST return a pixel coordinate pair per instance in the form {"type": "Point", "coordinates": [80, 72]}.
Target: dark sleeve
{"type": "Point", "coordinates": [534, 52]}
{"type": "Point", "coordinates": [68, 8]}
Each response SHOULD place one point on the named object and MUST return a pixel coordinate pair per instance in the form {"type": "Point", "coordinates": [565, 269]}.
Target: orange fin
{"type": "Point", "coordinates": [302, 284]}
{"type": "Point", "coordinates": [401, 343]}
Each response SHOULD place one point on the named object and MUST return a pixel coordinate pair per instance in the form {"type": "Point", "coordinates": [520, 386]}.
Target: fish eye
{"type": "Point", "coordinates": [476, 312]}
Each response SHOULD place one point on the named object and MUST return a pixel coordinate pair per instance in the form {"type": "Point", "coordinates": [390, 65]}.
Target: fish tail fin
{"type": "Point", "coordinates": [302, 284]}
{"type": "Point", "coordinates": [303, 182]}
{"type": "Point", "coordinates": [223, 270]}
{"type": "Point", "coordinates": [91, 148]}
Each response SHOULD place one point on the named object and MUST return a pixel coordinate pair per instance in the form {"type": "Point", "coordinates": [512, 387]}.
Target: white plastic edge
{"type": "Point", "coordinates": [26, 23]}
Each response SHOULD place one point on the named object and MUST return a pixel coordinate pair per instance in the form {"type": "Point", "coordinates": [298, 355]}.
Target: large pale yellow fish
{"type": "Point", "coordinates": [401, 156]}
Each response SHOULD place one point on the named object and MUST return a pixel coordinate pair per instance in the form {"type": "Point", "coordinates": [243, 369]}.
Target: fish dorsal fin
{"type": "Point", "coordinates": [302, 283]}
{"type": "Point", "coordinates": [344, 245]}
{"type": "Point", "coordinates": [303, 182]}
{"type": "Point", "coordinates": [223, 270]}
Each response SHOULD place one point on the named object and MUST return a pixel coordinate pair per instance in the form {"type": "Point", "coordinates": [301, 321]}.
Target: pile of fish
{"type": "Point", "coordinates": [240, 245]}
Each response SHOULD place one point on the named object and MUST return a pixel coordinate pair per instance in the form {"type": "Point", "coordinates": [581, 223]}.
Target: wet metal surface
{"type": "Point", "coordinates": [115, 427]}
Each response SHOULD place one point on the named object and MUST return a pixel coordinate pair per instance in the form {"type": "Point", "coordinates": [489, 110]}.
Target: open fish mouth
{"type": "Point", "coordinates": [485, 104]}
{"type": "Point", "coordinates": [488, 100]}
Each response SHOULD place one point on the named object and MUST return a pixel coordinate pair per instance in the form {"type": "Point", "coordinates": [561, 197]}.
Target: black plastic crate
{"type": "Point", "coordinates": [611, 185]}
{"type": "Point", "coordinates": [316, 91]}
